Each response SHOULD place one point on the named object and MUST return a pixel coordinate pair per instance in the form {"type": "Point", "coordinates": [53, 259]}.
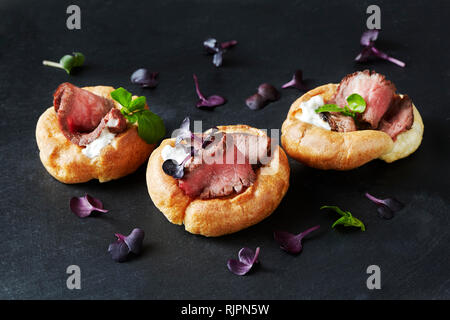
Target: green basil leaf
{"type": "Point", "coordinates": [67, 62]}
{"type": "Point", "coordinates": [356, 103]}
{"type": "Point", "coordinates": [137, 104]}
{"type": "Point", "coordinates": [150, 126]}
{"type": "Point", "coordinates": [329, 108]}
{"type": "Point", "coordinates": [122, 96]}
{"type": "Point", "coordinates": [78, 59]}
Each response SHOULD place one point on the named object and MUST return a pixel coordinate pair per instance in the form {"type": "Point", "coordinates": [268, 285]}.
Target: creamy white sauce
{"type": "Point", "coordinates": [309, 114]}
{"type": "Point", "coordinates": [177, 153]}
{"type": "Point", "coordinates": [94, 148]}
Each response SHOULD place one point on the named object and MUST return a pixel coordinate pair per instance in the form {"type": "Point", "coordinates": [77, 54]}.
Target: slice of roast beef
{"type": "Point", "coordinates": [217, 171]}
{"type": "Point", "coordinates": [374, 88]}
{"type": "Point", "coordinates": [339, 122]}
{"type": "Point", "coordinates": [255, 149]}
{"type": "Point", "coordinates": [82, 115]}
{"type": "Point", "coordinates": [399, 117]}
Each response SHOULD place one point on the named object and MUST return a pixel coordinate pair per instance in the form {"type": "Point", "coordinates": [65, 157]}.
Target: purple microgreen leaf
{"type": "Point", "coordinates": [145, 78]}
{"type": "Point", "coordinates": [386, 205]}
{"type": "Point", "coordinates": [174, 169]}
{"type": "Point", "coordinates": [84, 206]}
{"type": "Point", "coordinates": [268, 92]}
{"type": "Point", "coordinates": [384, 212]}
{"type": "Point", "coordinates": [296, 82]}
{"type": "Point", "coordinates": [218, 58]}
{"type": "Point", "coordinates": [121, 249]}
{"type": "Point", "coordinates": [256, 102]}
{"type": "Point", "coordinates": [210, 45]}
{"type": "Point", "coordinates": [247, 258]}
{"type": "Point", "coordinates": [290, 242]}
{"type": "Point", "coordinates": [211, 101]}
{"type": "Point", "coordinates": [238, 267]}
{"type": "Point", "coordinates": [369, 37]}
{"type": "Point", "coordinates": [134, 240]}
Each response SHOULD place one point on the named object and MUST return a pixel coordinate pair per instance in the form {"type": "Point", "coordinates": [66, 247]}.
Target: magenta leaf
{"type": "Point", "coordinates": [296, 82]}
{"type": "Point", "coordinates": [247, 258]}
{"type": "Point", "coordinates": [256, 102]}
{"type": "Point", "coordinates": [121, 249]}
{"type": "Point", "coordinates": [290, 242]}
{"type": "Point", "coordinates": [84, 206]}
{"type": "Point", "coordinates": [369, 37]}
{"type": "Point", "coordinates": [268, 92]}
{"type": "Point", "coordinates": [386, 207]}
{"type": "Point", "coordinates": [217, 49]}
{"type": "Point", "coordinates": [367, 40]}
{"type": "Point", "coordinates": [145, 78]}
{"type": "Point", "coordinates": [209, 102]}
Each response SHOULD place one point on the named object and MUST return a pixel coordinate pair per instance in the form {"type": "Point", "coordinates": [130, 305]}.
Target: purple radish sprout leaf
{"type": "Point", "coordinates": [256, 102]}
{"type": "Point", "coordinates": [211, 101]}
{"type": "Point", "coordinates": [290, 242]}
{"type": "Point", "coordinates": [228, 44]}
{"type": "Point", "coordinates": [391, 203]}
{"type": "Point", "coordinates": [385, 213]}
{"type": "Point", "coordinates": [121, 249]}
{"type": "Point", "coordinates": [217, 49]}
{"type": "Point", "coordinates": [247, 258]}
{"type": "Point", "coordinates": [218, 58]}
{"type": "Point", "coordinates": [369, 37]}
{"type": "Point", "coordinates": [145, 78]}
{"type": "Point", "coordinates": [296, 82]}
{"type": "Point", "coordinates": [367, 40]}
{"type": "Point", "coordinates": [84, 206]}
{"type": "Point", "coordinates": [268, 92]}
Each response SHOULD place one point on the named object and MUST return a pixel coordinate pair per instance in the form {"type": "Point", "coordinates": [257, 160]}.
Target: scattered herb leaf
{"type": "Point", "coordinates": [211, 101]}
{"type": "Point", "coordinates": [296, 82]}
{"type": "Point", "coordinates": [386, 207]}
{"type": "Point", "coordinates": [256, 102]}
{"type": "Point", "coordinates": [356, 104]}
{"type": "Point", "coordinates": [292, 242]}
{"type": "Point", "coordinates": [368, 39]}
{"type": "Point", "coordinates": [150, 126]}
{"type": "Point", "coordinates": [83, 206]}
{"type": "Point", "coordinates": [347, 219]}
{"type": "Point", "coordinates": [121, 249]}
{"type": "Point", "coordinates": [67, 62]}
{"type": "Point", "coordinates": [145, 78]}
{"type": "Point", "coordinates": [268, 92]}
{"type": "Point", "coordinates": [247, 258]}
{"type": "Point", "coordinates": [217, 49]}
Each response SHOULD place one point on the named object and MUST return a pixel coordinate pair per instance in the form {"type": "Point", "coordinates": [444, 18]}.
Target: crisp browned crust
{"type": "Point", "coordinates": [219, 216]}
{"type": "Point", "coordinates": [65, 161]}
{"type": "Point", "coordinates": [324, 149]}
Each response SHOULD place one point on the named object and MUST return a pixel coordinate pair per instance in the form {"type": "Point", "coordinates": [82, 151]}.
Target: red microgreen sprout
{"type": "Point", "coordinates": [84, 206]}
{"type": "Point", "coordinates": [247, 258]}
{"type": "Point", "coordinates": [145, 78]}
{"type": "Point", "coordinates": [292, 243]}
{"type": "Point", "coordinates": [121, 249]}
{"type": "Point", "coordinates": [368, 39]}
{"type": "Point", "coordinates": [217, 49]}
{"type": "Point", "coordinates": [209, 102]}
{"type": "Point", "coordinates": [296, 82]}
{"type": "Point", "coordinates": [386, 207]}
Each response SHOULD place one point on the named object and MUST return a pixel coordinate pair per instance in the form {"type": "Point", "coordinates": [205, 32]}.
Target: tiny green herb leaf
{"type": "Point", "coordinates": [150, 126]}
{"type": "Point", "coordinates": [356, 104]}
{"type": "Point", "coordinates": [67, 62]}
{"type": "Point", "coordinates": [347, 219]}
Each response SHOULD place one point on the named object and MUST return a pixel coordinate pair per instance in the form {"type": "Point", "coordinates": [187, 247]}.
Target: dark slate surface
{"type": "Point", "coordinates": [41, 237]}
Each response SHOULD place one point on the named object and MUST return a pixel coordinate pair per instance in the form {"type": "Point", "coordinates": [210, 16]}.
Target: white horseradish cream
{"type": "Point", "coordinates": [94, 148]}
{"type": "Point", "coordinates": [309, 114]}
{"type": "Point", "coordinates": [177, 153]}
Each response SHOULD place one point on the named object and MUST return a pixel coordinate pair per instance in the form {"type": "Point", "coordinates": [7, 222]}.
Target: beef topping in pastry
{"type": "Point", "coordinates": [398, 118]}
{"type": "Point", "coordinates": [82, 115]}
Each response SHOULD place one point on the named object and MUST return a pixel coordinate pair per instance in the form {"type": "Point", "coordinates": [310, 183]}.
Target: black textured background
{"type": "Point", "coordinates": [41, 237]}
